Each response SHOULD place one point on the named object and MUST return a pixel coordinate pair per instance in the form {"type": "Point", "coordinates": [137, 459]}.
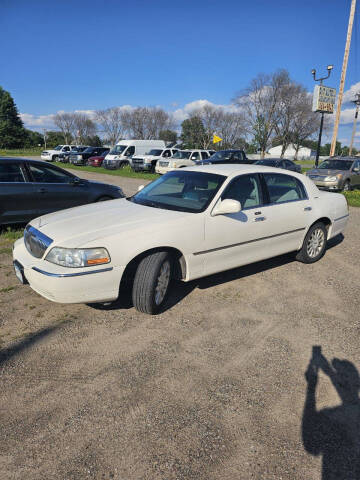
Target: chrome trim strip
{"type": "Point", "coordinates": [249, 241]}
{"type": "Point", "coordinates": [78, 274]}
{"type": "Point", "coordinates": [340, 218]}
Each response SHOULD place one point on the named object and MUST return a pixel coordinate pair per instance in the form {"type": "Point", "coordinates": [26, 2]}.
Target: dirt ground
{"type": "Point", "coordinates": [212, 388]}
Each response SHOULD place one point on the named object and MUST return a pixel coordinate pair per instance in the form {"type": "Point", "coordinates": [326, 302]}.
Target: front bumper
{"type": "Point", "coordinates": [45, 157]}
{"type": "Point", "coordinates": [69, 285]}
{"type": "Point", "coordinates": [141, 167]}
{"type": "Point", "coordinates": [334, 186]}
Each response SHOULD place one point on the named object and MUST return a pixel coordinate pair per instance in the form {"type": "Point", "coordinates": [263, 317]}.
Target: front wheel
{"type": "Point", "coordinates": [124, 164]}
{"type": "Point", "coordinates": [347, 186]}
{"type": "Point", "coordinates": [151, 282]}
{"type": "Point", "coordinates": [54, 158]}
{"type": "Point", "coordinates": [314, 245]}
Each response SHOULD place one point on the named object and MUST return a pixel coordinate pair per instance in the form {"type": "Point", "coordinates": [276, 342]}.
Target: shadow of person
{"type": "Point", "coordinates": [334, 433]}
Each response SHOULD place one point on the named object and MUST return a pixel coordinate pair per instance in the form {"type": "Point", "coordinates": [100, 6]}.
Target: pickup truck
{"type": "Point", "coordinates": [52, 155]}
{"type": "Point", "coordinates": [148, 161]}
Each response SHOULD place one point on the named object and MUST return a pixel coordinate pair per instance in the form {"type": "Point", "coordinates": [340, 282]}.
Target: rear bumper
{"type": "Point", "coordinates": [69, 285]}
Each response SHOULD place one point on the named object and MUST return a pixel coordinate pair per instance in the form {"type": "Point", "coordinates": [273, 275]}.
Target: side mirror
{"type": "Point", "coordinates": [140, 187]}
{"type": "Point", "coordinates": [227, 206]}
{"type": "Point", "coordinates": [75, 181]}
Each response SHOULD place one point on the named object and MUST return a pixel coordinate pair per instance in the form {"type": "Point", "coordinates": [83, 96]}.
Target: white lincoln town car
{"type": "Point", "coordinates": [187, 224]}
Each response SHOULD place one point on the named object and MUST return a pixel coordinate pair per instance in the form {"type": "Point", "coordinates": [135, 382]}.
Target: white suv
{"type": "Point", "coordinates": [148, 161]}
{"type": "Point", "coordinates": [52, 155]}
{"type": "Point", "coordinates": [182, 158]}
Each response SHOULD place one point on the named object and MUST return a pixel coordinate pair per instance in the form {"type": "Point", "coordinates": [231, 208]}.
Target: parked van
{"type": "Point", "coordinates": [120, 156]}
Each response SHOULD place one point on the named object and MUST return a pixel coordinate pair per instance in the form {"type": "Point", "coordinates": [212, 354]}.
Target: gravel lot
{"type": "Point", "coordinates": [213, 388]}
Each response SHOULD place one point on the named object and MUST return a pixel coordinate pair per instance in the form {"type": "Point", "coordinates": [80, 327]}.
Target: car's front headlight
{"type": "Point", "coordinates": [78, 257]}
{"type": "Point", "coordinates": [333, 178]}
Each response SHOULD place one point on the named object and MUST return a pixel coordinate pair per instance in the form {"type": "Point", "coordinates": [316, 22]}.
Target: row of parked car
{"type": "Point", "coordinates": [160, 158]}
{"type": "Point", "coordinates": [340, 173]}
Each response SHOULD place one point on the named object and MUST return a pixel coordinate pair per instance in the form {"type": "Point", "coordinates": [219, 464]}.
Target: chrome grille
{"type": "Point", "coordinates": [36, 242]}
{"type": "Point", "coordinates": [137, 161]}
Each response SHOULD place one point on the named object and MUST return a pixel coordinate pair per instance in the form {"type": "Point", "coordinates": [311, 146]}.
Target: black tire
{"type": "Point", "coordinates": [314, 244]}
{"type": "Point", "coordinates": [347, 186]}
{"type": "Point", "coordinates": [124, 164]}
{"type": "Point", "coordinates": [149, 291]}
{"type": "Point", "coordinates": [104, 199]}
{"type": "Point", "coordinates": [54, 158]}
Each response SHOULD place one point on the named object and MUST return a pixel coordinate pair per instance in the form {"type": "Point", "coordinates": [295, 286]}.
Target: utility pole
{"type": "Point", "coordinates": [45, 137]}
{"type": "Point", "coordinates": [313, 71]}
{"type": "Point", "coordinates": [343, 75]}
{"type": "Point", "coordinates": [357, 103]}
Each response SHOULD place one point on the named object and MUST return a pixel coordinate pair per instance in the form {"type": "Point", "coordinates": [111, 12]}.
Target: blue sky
{"type": "Point", "coordinates": [89, 54]}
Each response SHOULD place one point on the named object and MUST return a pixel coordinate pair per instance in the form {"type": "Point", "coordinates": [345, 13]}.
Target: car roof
{"type": "Point", "coordinates": [230, 170]}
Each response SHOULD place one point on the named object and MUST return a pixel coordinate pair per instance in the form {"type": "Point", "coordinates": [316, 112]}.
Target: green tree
{"type": "Point", "coordinates": [93, 141]}
{"type": "Point", "coordinates": [192, 132]}
{"type": "Point", "coordinates": [33, 139]}
{"type": "Point", "coordinates": [12, 131]}
{"type": "Point", "coordinates": [168, 136]}
{"type": "Point", "coordinates": [54, 138]}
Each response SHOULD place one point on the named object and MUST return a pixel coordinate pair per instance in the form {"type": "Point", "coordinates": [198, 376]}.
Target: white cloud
{"type": "Point", "coordinates": [37, 121]}
{"type": "Point", "coordinates": [182, 114]}
{"type": "Point", "coordinates": [349, 95]}
{"type": "Point", "coordinates": [347, 116]}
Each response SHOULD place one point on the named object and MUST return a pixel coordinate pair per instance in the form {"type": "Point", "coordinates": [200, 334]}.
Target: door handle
{"type": "Point", "coordinates": [307, 209]}
{"type": "Point", "coordinates": [259, 219]}
{"type": "Point", "coordinates": [42, 190]}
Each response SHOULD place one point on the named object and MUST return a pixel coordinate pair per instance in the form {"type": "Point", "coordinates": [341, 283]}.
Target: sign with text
{"type": "Point", "coordinates": [324, 99]}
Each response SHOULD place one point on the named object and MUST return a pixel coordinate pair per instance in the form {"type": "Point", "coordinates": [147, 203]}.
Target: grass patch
{"type": "Point", "coordinates": [353, 198]}
{"type": "Point", "coordinates": [5, 250]}
{"type": "Point", "coordinates": [10, 234]}
{"type": "Point", "coordinates": [121, 172]}
{"type": "Point", "coordinates": [22, 152]}
{"type": "Point", "coordinates": [6, 289]}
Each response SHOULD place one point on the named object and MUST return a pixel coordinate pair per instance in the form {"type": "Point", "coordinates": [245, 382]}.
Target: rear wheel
{"type": "Point", "coordinates": [314, 245]}
{"type": "Point", "coordinates": [151, 282]}
{"type": "Point", "coordinates": [123, 164]}
{"type": "Point", "coordinates": [54, 158]}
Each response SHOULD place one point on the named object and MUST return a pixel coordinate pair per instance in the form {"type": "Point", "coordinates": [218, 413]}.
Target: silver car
{"type": "Point", "coordinates": [337, 173]}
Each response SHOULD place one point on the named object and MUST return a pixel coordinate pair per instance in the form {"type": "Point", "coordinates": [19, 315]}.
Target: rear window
{"type": "Point", "coordinates": [284, 188]}
{"type": "Point", "coordinates": [11, 173]}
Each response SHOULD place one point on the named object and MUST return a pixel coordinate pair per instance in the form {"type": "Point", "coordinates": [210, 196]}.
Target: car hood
{"type": "Point", "coordinates": [146, 157]}
{"type": "Point", "coordinates": [323, 172]}
{"type": "Point", "coordinates": [79, 226]}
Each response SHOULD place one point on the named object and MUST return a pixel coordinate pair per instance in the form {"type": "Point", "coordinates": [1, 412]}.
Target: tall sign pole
{"type": "Point", "coordinates": [323, 102]}
{"type": "Point", "coordinates": [357, 103]}
{"type": "Point", "coordinates": [343, 75]}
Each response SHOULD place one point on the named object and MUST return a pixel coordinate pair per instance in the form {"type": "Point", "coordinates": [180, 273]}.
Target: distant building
{"type": "Point", "coordinates": [303, 152]}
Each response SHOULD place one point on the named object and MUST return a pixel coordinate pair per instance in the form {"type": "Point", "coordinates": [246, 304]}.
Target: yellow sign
{"type": "Point", "coordinates": [216, 139]}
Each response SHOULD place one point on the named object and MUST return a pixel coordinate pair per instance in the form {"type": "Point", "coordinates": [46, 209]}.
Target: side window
{"type": "Point", "coordinates": [236, 157]}
{"type": "Point", "coordinates": [166, 153]}
{"type": "Point", "coordinates": [46, 174]}
{"type": "Point", "coordinates": [130, 151]}
{"type": "Point", "coordinates": [356, 166]}
{"type": "Point", "coordinates": [66, 149]}
{"type": "Point", "coordinates": [284, 188]}
{"type": "Point", "coordinates": [195, 156]}
{"type": "Point", "coordinates": [11, 173]}
{"type": "Point", "coordinates": [246, 189]}
{"type": "Point", "coordinates": [204, 155]}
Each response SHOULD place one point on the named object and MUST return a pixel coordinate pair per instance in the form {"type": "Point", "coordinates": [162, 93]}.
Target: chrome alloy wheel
{"type": "Point", "coordinates": [315, 243]}
{"type": "Point", "coordinates": [162, 282]}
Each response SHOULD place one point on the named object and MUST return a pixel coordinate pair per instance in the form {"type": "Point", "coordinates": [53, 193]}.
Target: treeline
{"type": "Point", "coordinates": [273, 110]}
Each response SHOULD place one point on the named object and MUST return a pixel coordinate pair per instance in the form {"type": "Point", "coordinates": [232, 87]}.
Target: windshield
{"type": "Point", "coordinates": [181, 154]}
{"type": "Point", "coordinates": [118, 149]}
{"type": "Point", "coordinates": [268, 163]}
{"type": "Point", "coordinates": [155, 152]}
{"type": "Point", "coordinates": [222, 155]}
{"type": "Point", "coordinates": [59, 147]}
{"type": "Point", "coordinates": [88, 150]}
{"type": "Point", "coordinates": [182, 191]}
{"type": "Point", "coordinates": [336, 164]}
